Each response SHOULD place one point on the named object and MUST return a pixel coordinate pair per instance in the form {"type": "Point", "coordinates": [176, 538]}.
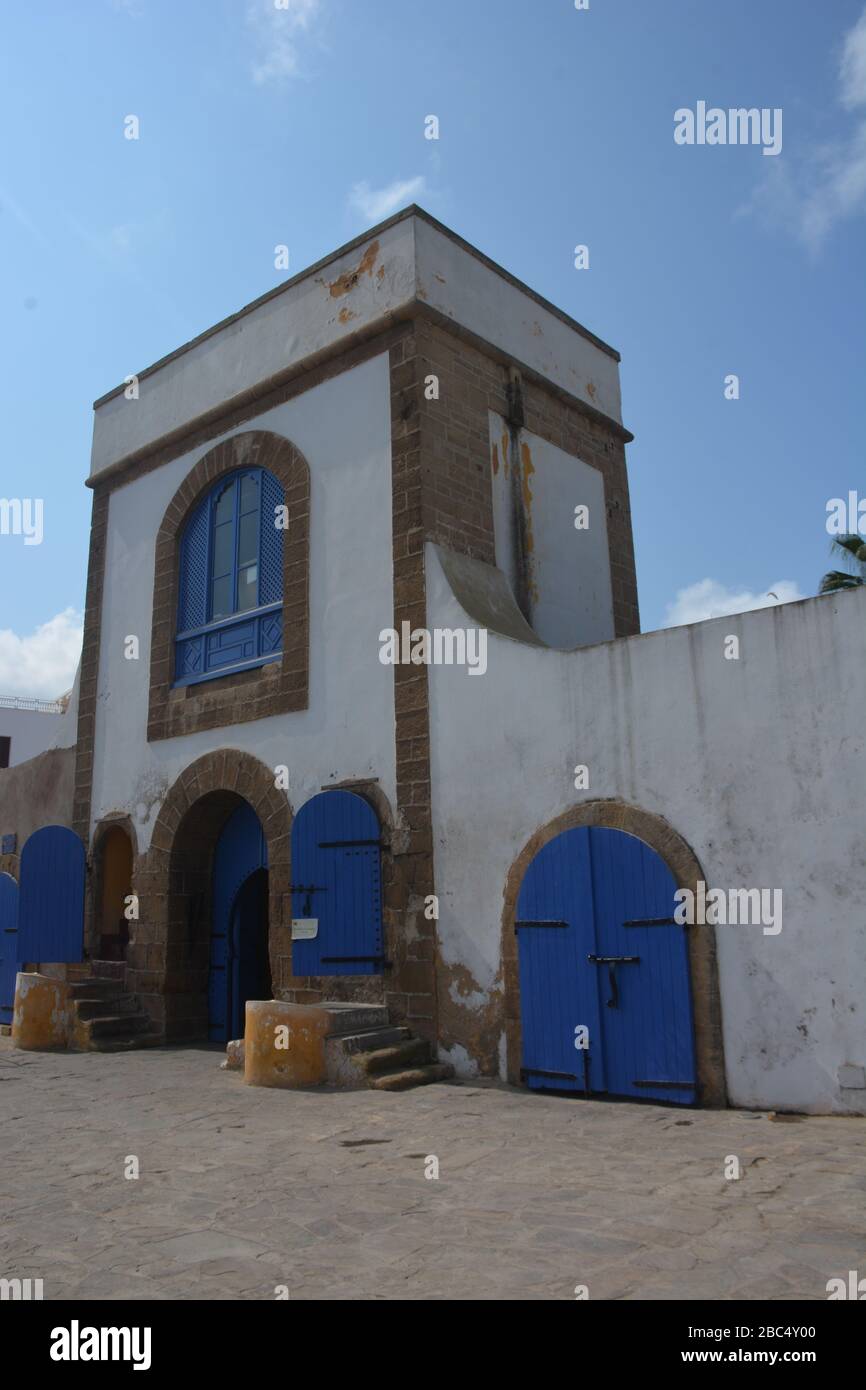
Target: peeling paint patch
{"type": "Point", "coordinates": [537, 331]}
{"type": "Point", "coordinates": [463, 1064]}
{"type": "Point", "coordinates": [345, 315]}
{"type": "Point", "coordinates": [495, 461]}
{"type": "Point", "coordinates": [591, 390]}
{"type": "Point", "coordinates": [348, 280]}
{"type": "Point", "coordinates": [469, 999]}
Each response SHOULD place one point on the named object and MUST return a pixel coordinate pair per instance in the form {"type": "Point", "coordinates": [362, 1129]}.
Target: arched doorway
{"type": "Point", "coordinates": [696, 943]}
{"type": "Point", "coordinates": [604, 975]}
{"type": "Point", "coordinates": [239, 967]}
{"type": "Point", "coordinates": [114, 887]}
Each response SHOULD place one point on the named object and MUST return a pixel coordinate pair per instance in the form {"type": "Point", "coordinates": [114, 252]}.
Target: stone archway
{"type": "Point", "coordinates": [683, 863]}
{"type": "Point", "coordinates": [168, 954]}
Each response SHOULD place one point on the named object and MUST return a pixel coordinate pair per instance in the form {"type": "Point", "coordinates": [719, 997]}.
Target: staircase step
{"type": "Point", "coordinates": [374, 1039]}
{"type": "Point", "coordinates": [112, 1024]}
{"type": "Point", "coordinates": [106, 1006]}
{"type": "Point", "coordinates": [413, 1052]}
{"type": "Point", "coordinates": [119, 1043]}
{"type": "Point", "coordinates": [94, 989]}
{"type": "Point", "coordinates": [109, 970]}
{"type": "Point", "coordinates": [345, 1018]}
{"type": "Point", "coordinates": [411, 1076]}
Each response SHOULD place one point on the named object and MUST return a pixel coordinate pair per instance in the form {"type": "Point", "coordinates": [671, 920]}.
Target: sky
{"type": "Point", "coordinates": [302, 123]}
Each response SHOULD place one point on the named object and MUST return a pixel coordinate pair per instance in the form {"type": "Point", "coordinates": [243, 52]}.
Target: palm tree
{"type": "Point", "coordinates": [853, 548]}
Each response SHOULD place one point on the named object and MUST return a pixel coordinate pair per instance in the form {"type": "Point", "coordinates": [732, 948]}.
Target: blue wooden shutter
{"type": "Point", "coordinates": [271, 562]}
{"type": "Point", "coordinates": [9, 962]}
{"type": "Point", "coordinates": [51, 897]}
{"type": "Point", "coordinates": [192, 596]}
{"type": "Point", "coordinates": [271, 542]}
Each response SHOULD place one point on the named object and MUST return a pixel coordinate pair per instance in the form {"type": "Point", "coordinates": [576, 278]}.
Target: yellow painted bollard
{"type": "Point", "coordinates": [284, 1044]}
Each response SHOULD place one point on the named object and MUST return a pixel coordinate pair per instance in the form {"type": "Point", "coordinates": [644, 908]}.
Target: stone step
{"type": "Point", "coordinates": [94, 989]}
{"type": "Point", "coordinates": [112, 1024]}
{"type": "Point", "coordinates": [76, 972]}
{"type": "Point", "coordinates": [411, 1076]}
{"type": "Point", "coordinates": [106, 1006]}
{"type": "Point", "coordinates": [120, 1043]}
{"type": "Point", "coordinates": [374, 1039]}
{"type": "Point", "coordinates": [109, 970]}
{"type": "Point", "coordinates": [346, 1018]}
{"type": "Point", "coordinates": [413, 1052]}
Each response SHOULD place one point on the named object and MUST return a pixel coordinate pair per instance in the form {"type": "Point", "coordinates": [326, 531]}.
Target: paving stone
{"type": "Point", "coordinates": [244, 1189]}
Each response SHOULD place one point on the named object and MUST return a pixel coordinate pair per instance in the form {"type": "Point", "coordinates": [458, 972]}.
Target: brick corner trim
{"type": "Point", "coordinates": [278, 688]}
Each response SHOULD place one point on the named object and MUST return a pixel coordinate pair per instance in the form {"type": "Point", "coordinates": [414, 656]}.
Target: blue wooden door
{"type": "Point", "coordinates": [51, 897]}
{"type": "Point", "coordinates": [336, 846]}
{"type": "Point", "coordinates": [617, 964]}
{"type": "Point", "coordinates": [9, 962]}
{"type": "Point", "coordinates": [241, 851]}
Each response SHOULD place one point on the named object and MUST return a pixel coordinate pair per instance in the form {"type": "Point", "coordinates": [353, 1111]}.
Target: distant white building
{"type": "Point", "coordinates": [28, 727]}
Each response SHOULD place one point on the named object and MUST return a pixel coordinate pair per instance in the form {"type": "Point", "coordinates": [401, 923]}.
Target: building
{"type": "Point", "coordinates": [27, 727]}
{"type": "Point", "coordinates": [365, 713]}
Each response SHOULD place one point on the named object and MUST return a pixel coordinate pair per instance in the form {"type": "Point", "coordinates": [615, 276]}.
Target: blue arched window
{"type": "Point", "coordinates": [230, 590]}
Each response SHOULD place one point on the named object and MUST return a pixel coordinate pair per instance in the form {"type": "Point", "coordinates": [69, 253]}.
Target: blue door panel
{"type": "Point", "coordinates": [559, 995]}
{"type": "Point", "coordinates": [9, 962]}
{"type": "Point", "coordinates": [337, 877]}
{"type": "Point", "coordinates": [649, 1036]}
{"type": "Point", "coordinates": [51, 897]}
{"type": "Point", "coordinates": [638, 1010]}
{"type": "Point", "coordinates": [241, 851]}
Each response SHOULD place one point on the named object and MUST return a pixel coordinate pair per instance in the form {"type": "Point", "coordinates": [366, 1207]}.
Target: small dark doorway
{"type": "Point", "coordinates": [250, 966]}
{"type": "Point", "coordinates": [239, 966]}
{"type": "Point", "coordinates": [114, 889]}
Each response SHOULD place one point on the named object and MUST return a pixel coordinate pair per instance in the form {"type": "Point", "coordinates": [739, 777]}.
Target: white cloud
{"type": "Point", "coordinates": [277, 30]}
{"type": "Point", "coordinates": [375, 204]}
{"type": "Point", "coordinates": [42, 665]}
{"type": "Point", "coordinates": [852, 70]}
{"type": "Point", "coordinates": [827, 184]}
{"type": "Point", "coordinates": [710, 599]}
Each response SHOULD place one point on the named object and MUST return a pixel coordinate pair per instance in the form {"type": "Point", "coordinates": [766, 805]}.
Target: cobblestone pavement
{"type": "Point", "coordinates": [243, 1189]}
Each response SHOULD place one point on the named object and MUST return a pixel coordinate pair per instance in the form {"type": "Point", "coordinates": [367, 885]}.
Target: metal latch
{"type": "Point", "coordinates": [612, 962]}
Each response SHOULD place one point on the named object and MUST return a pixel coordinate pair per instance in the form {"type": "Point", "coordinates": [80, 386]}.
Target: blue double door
{"type": "Point", "coordinates": [605, 991]}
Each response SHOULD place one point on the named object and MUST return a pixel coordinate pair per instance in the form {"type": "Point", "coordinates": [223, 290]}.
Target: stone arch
{"type": "Point", "coordinates": [683, 863]}
{"type": "Point", "coordinates": [267, 690]}
{"type": "Point", "coordinates": [168, 954]}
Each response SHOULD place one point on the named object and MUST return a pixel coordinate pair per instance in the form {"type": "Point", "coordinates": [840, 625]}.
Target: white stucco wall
{"type": "Point", "coordinates": [758, 763]}
{"type": "Point", "coordinates": [570, 596]}
{"type": "Point", "coordinates": [343, 429]}
{"type": "Point", "coordinates": [473, 293]}
{"type": "Point", "coordinates": [356, 291]}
